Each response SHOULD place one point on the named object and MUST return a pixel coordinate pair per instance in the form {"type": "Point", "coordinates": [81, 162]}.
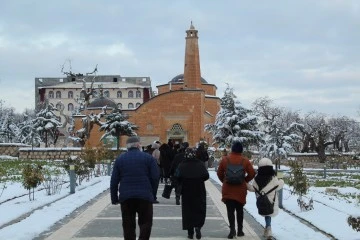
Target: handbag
{"type": "Point", "coordinates": [167, 190]}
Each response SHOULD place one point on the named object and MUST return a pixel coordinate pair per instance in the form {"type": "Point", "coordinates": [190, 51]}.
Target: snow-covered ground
{"type": "Point", "coordinates": [330, 213]}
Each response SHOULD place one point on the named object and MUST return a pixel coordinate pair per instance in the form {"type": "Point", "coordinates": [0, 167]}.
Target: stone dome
{"type": "Point", "coordinates": [180, 79]}
{"type": "Point", "coordinates": [102, 102]}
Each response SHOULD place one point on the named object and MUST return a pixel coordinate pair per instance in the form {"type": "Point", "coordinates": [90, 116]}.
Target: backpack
{"type": "Point", "coordinates": [235, 173]}
{"type": "Point", "coordinates": [263, 204]}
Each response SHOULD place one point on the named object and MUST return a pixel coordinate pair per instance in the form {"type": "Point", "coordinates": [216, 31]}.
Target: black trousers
{"type": "Point", "coordinates": [144, 209]}
{"type": "Point", "coordinates": [231, 207]}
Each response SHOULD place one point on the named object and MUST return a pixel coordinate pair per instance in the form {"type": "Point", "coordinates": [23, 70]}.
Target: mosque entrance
{"type": "Point", "coordinates": [177, 134]}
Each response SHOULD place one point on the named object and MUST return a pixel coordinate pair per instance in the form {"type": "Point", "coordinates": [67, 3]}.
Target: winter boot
{"type": "Point", "coordinates": [232, 233]}
{"type": "Point", "coordinates": [265, 232]}
{"type": "Point", "coordinates": [269, 233]}
{"type": "Point", "coordinates": [198, 233]}
{"type": "Point", "coordinates": [191, 233]}
{"type": "Point", "coordinates": [240, 232]}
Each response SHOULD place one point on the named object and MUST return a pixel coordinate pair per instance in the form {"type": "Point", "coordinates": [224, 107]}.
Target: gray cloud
{"type": "Point", "coordinates": [303, 54]}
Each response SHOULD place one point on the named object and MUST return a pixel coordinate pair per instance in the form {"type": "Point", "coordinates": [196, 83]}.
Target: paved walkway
{"type": "Point", "coordinates": [102, 221]}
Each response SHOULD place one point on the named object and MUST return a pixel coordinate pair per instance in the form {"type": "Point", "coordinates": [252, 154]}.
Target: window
{"type": "Point", "coordinates": [82, 95]}
{"type": "Point", "coordinates": [58, 94]}
{"type": "Point", "coordinates": [137, 105]}
{"type": "Point", "coordinates": [107, 93]}
{"type": "Point", "coordinates": [51, 94]}
{"type": "Point", "coordinates": [70, 94]}
{"type": "Point", "coordinates": [130, 94]}
{"type": "Point", "coordinates": [119, 94]}
{"type": "Point", "coordinates": [119, 105]}
{"type": "Point", "coordinates": [70, 107]}
{"type": "Point", "coordinates": [130, 106]}
{"type": "Point", "coordinates": [138, 94]}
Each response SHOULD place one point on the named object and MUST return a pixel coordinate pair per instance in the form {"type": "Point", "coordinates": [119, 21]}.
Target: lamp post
{"type": "Point", "coordinates": [280, 175]}
{"type": "Point", "coordinates": [72, 177]}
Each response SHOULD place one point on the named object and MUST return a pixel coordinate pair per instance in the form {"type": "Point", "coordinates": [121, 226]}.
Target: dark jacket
{"type": "Point", "coordinates": [192, 174]}
{"type": "Point", "coordinates": [137, 173]}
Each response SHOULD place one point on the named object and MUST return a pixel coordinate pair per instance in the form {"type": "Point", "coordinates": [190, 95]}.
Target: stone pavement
{"type": "Point", "coordinates": [102, 221]}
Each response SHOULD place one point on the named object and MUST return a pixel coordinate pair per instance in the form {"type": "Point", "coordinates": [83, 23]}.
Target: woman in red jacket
{"type": "Point", "coordinates": [234, 195]}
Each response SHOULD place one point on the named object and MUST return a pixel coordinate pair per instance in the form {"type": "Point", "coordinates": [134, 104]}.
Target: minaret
{"type": "Point", "coordinates": [192, 75]}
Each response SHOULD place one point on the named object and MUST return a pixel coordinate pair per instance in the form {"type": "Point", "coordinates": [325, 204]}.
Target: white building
{"type": "Point", "coordinates": [126, 92]}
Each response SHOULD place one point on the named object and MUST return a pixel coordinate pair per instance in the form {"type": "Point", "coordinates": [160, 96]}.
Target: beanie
{"type": "Point", "coordinates": [265, 162]}
{"type": "Point", "coordinates": [237, 147]}
{"type": "Point", "coordinates": [132, 139]}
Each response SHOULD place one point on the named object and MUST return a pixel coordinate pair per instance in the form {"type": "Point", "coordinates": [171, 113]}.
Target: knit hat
{"type": "Point", "coordinates": [237, 147]}
{"type": "Point", "coordinates": [265, 162]}
{"type": "Point", "coordinates": [132, 139]}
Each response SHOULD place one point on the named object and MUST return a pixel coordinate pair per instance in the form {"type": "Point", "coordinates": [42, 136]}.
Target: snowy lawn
{"type": "Point", "coordinates": [330, 212]}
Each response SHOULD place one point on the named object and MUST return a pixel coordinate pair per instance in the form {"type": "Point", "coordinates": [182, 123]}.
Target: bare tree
{"type": "Point", "coordinates": [86, 92]}
{"type": "Point", "coordinates": [317, 132]}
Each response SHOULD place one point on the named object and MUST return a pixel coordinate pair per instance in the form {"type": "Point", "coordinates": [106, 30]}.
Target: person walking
{"type": "Point", "coordinates": [191, 174]}
{"type": "Point", "coordinates": [179, 157]}
{"type": "Point", "coordinates": [132, 183]}
{"type": "Point", "coordinates": [156, 154]}
{"type": "Point", "coordinates": [266, 181]}
{"type": "Point", "coordinates": [234, 195]}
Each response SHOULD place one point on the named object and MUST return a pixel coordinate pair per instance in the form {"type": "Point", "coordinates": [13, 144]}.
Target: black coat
{"type": "Point", "coordinates": [192, 174]}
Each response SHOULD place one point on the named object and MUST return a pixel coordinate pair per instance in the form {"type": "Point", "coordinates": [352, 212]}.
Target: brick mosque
{"type": "Point", "coordinates": [180, 109]}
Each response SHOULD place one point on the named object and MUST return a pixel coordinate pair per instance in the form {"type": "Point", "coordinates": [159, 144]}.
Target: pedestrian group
{"type": "Point", "coordinates": [136, 176]}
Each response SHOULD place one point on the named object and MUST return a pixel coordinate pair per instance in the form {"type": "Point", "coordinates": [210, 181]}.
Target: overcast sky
{"type": "Point", "coordinates": [305, 55]}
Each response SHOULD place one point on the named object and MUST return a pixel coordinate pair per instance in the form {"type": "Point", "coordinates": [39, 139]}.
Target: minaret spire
{"type": "Point", "coordinates": [192, 75]}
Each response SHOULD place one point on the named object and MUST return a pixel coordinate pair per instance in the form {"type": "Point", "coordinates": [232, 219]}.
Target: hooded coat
{"type": "Point", "coordinates": [192, 174]}
{"type": "Point", "coordinates": [272, 183]}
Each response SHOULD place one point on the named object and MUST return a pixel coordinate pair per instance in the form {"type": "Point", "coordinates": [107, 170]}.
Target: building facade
{"type": "Point", "coordinates": [181, 108]}
{"type": "Point", "coordinates": [126, 92]}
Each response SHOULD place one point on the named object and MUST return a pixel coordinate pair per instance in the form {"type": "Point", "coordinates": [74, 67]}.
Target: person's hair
{"type": "Point", "coordinates": [133, 145]}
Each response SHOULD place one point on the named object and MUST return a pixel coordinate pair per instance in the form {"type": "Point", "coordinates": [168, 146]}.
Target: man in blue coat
{"type": "Point", "coordinates": [134, 177]}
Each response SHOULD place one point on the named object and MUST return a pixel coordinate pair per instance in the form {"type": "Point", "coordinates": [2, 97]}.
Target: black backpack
{"type": "Point", "coordinates": [235, 173]}
{"type": "Point", "coordinates": [264, 206]}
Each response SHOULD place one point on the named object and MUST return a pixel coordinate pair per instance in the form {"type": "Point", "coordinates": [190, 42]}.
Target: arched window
{"type": "Point", "coordinates": [119, 105]}
{"type": "Point", "coordinates": [70, 94]}
{"type": "Point", "coordinates": [130, 94]}
{"type": "Point", "coordinates": [70, 107]}
{"type": "Point", "coordinates": [130, 106]}
{"type": "Point", "coordinates": [51, 94]}
{"type": "Point", "coordinates": [106, 93]}
{"type": "Point", "coordinates": [137, 105]}
{"type": "Point", "coordinates": [58, 94]}
{"type": "Point", "coordinates": [119, 94]}
{"type": "Point", "coordinates": [138, 94]}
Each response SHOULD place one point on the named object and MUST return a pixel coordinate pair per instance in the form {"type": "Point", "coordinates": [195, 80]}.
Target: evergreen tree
{"type": "Point", "coordinates": [46, 124]}
{"type": "Point", "coordinates": [117, 125]}
{"type": "Point", "coordinates": [234, 123]}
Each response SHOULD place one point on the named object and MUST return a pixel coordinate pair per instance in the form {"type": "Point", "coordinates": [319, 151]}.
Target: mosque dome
{"type": "Point", "coordinates": [180, 79]}
{"type": "Point", "coordinates": [102, 102]}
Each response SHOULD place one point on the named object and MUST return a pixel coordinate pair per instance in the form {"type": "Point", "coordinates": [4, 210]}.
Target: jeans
{"type": "Point", "coordinates": [144, 209]}
{"type": "Point", "coordinates": [267, 221]}
{"type": "Point", "coordinates": [231, 206]}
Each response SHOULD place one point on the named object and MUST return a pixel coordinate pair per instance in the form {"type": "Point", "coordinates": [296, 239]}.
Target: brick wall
{"type": "Point", "coordinates": [11, 149]}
